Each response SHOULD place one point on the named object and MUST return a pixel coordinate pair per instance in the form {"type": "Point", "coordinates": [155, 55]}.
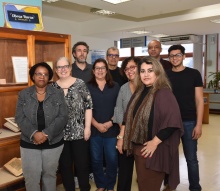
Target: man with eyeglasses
{"type": "Point", "coordinates": [187, 87]}
{"type": "Point", "coordinates": [112, 57]}
{"type": "Point", "coordinates": [154, 50]}
{"type": "Point", "coordinates": [80, 68]}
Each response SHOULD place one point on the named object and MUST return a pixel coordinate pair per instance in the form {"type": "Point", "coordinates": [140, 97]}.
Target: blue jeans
{"type": "Point", "coordinates": [98, 145]}
{"type": "Point", "coordinates": [190, 152]}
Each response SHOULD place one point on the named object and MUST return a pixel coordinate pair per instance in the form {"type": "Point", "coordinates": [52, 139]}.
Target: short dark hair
{"type": "Point", "coordinates": [177, 47]}
{"type": "Point", "coordinates": [80, 43]}
{"type": "Point", "coordinates": [41, 64]}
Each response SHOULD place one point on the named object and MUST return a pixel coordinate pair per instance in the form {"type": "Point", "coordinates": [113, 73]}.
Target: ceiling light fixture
{"type": "Point", "coordinates": [50, 1]}
{"type": "Point", "coordinates": [116, 1]}
{"type": "Point", "coordinates": [216, 21]}
{"type": "Point", "coordinates": [159, 35]}
{"type": "Point", "coordinates": [102, 11]}
{"type": "Point", "coordinates": [140, 32]}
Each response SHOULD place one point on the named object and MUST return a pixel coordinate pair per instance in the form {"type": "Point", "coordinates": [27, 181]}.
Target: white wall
{"type": "Point", "coordinates": [74, 29]}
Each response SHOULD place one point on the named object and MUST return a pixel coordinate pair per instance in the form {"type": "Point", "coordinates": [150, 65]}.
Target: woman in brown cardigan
{"type": "Point", "coordinates": [153, 128]}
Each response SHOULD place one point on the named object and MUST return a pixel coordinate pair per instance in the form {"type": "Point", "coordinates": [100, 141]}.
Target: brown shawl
{"type": "Point", "coordinates": [136, 130]}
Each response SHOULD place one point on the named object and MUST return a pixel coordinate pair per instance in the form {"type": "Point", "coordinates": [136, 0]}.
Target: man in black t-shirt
{"type": "Point", "coordinates": [187, 87]}
{"type": "Point", "coordinates": [112, 57]}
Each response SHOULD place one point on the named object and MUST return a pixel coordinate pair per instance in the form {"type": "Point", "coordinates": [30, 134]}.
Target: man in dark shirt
{"type": "Point", "coordinates": [154, 50]}
{"type": "Point", "coordinates": [80, 68]}
{"type": "Point", "coordinates": [112, 57]}
{"type": "Point", "coordinates": [187, 87]}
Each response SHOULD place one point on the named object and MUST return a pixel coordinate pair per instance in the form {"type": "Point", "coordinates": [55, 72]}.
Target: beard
{"type": "Point", "coordinates": [81, 61]}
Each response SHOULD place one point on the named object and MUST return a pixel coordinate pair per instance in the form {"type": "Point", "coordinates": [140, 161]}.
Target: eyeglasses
{"type": "Point", "coordinates": [131, 68]}
{"type": "Point", "coordinates": [41, 75]}
{"type": "Point", "coordinates": [100, 68]}
{"type": "Point", "coordinates": [179, 55]}
{"type": "Point", "coordinates": [63, 67]}
{"type": "Point", "coordinates": [113, 55]}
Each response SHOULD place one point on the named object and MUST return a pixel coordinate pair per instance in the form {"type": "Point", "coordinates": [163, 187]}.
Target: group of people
{"type": "Point", "coordinates": [102, 119]}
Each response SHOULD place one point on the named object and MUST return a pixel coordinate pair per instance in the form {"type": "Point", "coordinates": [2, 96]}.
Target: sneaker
{"type": "Point", "coordinates": [76, 182]}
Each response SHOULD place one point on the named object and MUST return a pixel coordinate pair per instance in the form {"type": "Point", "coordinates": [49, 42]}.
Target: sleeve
{"type": "Point", "coordinates": [118, 110]}
{"type": "Point", "coordinates": [87, 98]}
{"type": "Point", "coordinates": [27, 128]}
{"type": "Point", "coordinates": [198, 79]}
{"type": "Point", "coordinates": [59, 122]}
{"type": "Point", "coordinates": [165, 133]}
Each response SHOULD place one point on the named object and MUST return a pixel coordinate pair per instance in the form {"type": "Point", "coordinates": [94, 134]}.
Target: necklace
{"type": "Point", "coordinates": [40, 93]}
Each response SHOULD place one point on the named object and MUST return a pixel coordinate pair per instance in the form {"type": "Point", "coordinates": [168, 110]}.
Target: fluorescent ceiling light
{"type": "Point", "coordinates": [102, 11]}
{"type": "Point", "coordinates": [116, 1]}
{"type": "Point", "coordinates": [216, 21]}
{"type": "Point", "coordinates": [140, 32]}
{"type": "Point", "coordinates": [50, 1]}
{"type": "Point", "coordinates": [159, 35]}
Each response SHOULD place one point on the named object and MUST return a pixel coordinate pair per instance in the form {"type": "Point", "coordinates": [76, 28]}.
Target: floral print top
{"type": "Point", "coordinates": [78, 100]}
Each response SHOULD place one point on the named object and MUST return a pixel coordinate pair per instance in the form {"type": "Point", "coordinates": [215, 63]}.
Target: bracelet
{"type": "Point", "coordinates": [112, 121]}
{"type": "Point", "coordinates": [120, 137]}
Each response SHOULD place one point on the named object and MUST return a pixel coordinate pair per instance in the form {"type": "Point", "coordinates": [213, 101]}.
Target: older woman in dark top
{"type": "Point", "coordinates": [153, 128]}
{"type": "Point", "coordinates": [104, 93]}
{"type": "Point", "coordinates": [41, 114]}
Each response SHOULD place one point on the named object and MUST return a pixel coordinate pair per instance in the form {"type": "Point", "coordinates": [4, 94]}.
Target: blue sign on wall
{"type": "Point", "coordinates": [18, 16]}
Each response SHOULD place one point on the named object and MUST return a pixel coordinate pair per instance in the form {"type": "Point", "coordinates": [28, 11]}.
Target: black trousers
{"type": "Point", "coordinates": [125, 172]}
{"type": "Point", "coordinates": [77, 152]}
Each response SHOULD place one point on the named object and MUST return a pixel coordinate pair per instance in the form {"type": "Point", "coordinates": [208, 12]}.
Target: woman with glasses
{"type": "Point", "coordinates": [129, 69]}
{"type": "Point", "coordinates": [41, 114]}
{"type": "Point", "coordinates": [78, 129]}
{"type": "Point", "coordinates": [104, 93]}
{"type": "Point", "coordinates": [153, 128]}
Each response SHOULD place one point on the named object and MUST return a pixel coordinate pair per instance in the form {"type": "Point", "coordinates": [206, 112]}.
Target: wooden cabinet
{"type": "Point", "coordinates": [37, 47]}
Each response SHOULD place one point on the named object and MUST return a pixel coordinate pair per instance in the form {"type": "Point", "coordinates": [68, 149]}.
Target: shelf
{"type": "Point", "coordinates": [7, 179]}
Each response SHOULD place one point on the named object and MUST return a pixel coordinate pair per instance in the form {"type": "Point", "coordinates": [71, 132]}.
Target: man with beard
{"type": "Point", "coordinates": [80, 68]}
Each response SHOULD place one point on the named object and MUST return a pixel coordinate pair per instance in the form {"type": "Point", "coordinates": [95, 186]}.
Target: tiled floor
{"type": "Point", "coordinates": [209, 160]}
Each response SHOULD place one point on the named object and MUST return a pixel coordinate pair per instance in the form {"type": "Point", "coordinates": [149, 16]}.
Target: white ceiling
{"type": "Point", "coordinates": [171, 17]}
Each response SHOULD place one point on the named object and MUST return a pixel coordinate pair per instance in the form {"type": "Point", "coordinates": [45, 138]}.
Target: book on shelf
{"type": "Point", "coordinates": [11, 124]}
{"type": "Point", "coordinates": [14, 166]}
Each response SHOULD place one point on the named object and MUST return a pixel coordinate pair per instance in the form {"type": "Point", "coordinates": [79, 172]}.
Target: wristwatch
{"type": "Point", "coordinates": [120, 137]}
